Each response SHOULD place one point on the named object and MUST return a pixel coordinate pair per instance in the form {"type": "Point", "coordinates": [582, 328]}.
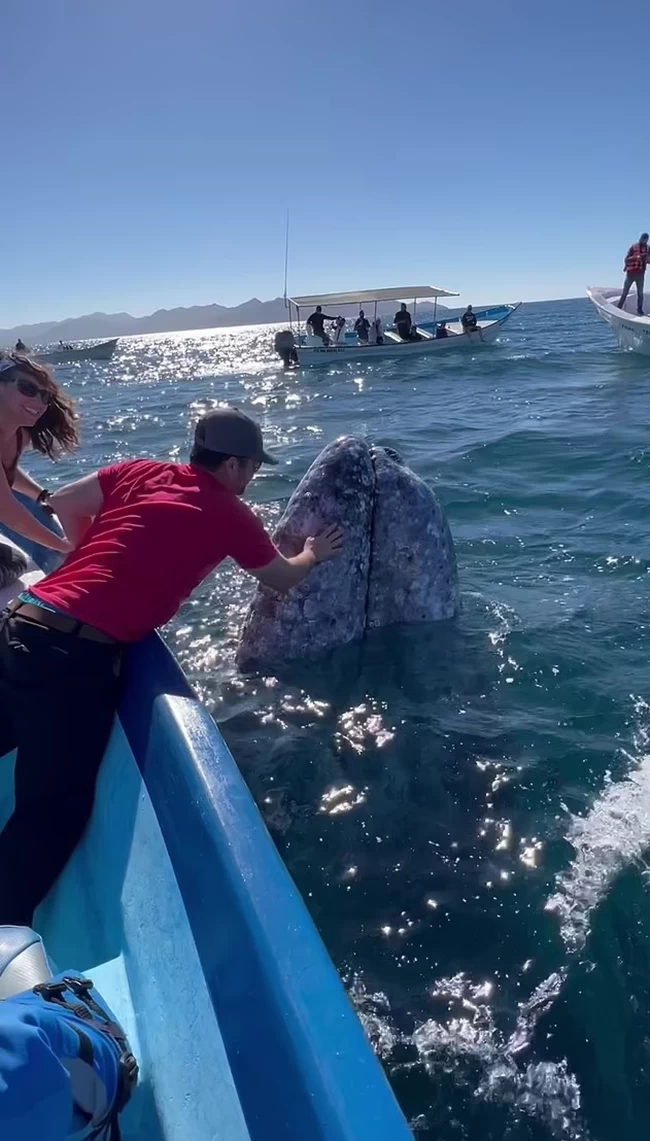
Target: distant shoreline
{"type": "Point", "coordinates": [197, 318]}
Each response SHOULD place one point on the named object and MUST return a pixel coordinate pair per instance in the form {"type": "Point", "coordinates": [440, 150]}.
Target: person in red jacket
{"type": "Point", "coordinates": [635, 264]}
{"type": "Point", "coordinates": [145, 535]}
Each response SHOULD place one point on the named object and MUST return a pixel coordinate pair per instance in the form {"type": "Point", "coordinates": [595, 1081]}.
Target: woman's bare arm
{"type": "Point", "coordinates": [26, 485]}
{"type": "Point", "coordinates": [14, 515]}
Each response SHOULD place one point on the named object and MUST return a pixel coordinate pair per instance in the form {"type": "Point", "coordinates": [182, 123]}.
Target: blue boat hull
{"type": "Point", "coordinates": [178, 906]}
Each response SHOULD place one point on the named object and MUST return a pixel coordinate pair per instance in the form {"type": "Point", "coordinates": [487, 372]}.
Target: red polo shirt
{"type": "Point", "coordinates": [161, 529]}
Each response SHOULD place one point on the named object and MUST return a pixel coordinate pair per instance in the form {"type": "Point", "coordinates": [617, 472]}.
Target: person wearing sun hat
{"type": "Point", "coordinates": [146, 533]}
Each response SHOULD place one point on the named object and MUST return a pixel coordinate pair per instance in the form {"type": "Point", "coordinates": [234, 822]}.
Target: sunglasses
{"type": "Point", "coordinates": [23, 384]}
{"type": "Point", "coordinates": [28, 388]}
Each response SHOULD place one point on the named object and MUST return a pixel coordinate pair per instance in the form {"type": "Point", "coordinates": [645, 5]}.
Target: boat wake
{"type": "Point", "coordinates": [466, 1041]}
{"type": "Point", "coordinates": [613, 835]}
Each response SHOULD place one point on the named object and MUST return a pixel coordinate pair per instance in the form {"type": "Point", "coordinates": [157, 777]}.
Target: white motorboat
{"type": "Point", "coordinates": [65, 354]}
{"type": "Point", "coordinates": [344, 345]}
{"type": "Point", "coordinates": [631, 331]}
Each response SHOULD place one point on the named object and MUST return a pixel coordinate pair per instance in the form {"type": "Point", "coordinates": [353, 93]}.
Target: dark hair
{"type": "Point", "coordinates": [211, 460]}
{"type": "Point", "coordinates": [644, 237]}
{"type": "Point", "coordinates": [54, 432]}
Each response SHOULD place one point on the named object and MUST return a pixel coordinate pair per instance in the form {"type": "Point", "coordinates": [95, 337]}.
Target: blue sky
{"type": "Point", "coordinates": [151, 149]}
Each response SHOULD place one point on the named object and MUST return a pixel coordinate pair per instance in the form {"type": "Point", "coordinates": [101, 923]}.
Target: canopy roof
{"type": "Point", "coordinates": [403, 293]}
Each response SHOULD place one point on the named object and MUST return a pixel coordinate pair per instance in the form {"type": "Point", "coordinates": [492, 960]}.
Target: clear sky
{"type": "Point", "coordinates": [150, 148]}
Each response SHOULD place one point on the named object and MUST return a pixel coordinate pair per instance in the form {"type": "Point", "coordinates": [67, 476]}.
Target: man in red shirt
{"type": "Point", "coordinates": [636, 261]}
{"type": "Point", "coordinates": [145, 534]}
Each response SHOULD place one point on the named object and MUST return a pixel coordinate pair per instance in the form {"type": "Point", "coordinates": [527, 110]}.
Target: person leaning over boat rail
{"type": "Point", "coordinates": [470, 323]}
{"type": "Point", "coordinates": [316, 322]}
{"type": "Point", "coordinates": [34, 412]}
{"type": "Point", "coordinates": [636, 261]}
{"type": "Point", "coordinates": [147, 534]}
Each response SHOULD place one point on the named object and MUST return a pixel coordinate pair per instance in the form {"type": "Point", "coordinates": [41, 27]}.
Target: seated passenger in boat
{"type": "Point", "coordinates": [403, 322]}
{"type": "Point", "coordinates": [468, 320]}
{"type": "Point", "coordinates": [21, 347]}
{"type": "Point", "coordinates": [316, 323]}
{"type": "Point", "coordinates": [442, 331]}
{"type": "Point", "coordinates": [338, 332]}
{"type": "Point", "coordinates": [362, 327]}
{"type": "Point", "coordinates": [63, 642]}
{"type": "Point", "coordinates": [414, 335]}
{"type": "Point", "coordinates": [377, 332]}
{"type": "Point", "coordinates": [34, 412]}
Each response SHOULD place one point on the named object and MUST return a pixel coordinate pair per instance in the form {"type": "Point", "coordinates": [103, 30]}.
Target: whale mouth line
{"type": "Point", "coordinates": [390, 452]}
{"type": "Point", "coordinates": [399, 564]}
{"type": "Point", "coordinates": [373, 516]}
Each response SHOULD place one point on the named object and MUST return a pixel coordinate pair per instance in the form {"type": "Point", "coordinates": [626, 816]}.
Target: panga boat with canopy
{"type": "Point", "coordinates": [343, 344]}
{"type": "Point", "coordinates": [631, 330]}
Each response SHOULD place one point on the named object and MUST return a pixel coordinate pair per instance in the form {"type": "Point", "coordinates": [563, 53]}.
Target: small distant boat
{"type": "Point", "coordinates": [631, 331]}
{"type": "Point", "coordinates": [62, 354]}
{"type": "Point", "coordinates": [313, 351]}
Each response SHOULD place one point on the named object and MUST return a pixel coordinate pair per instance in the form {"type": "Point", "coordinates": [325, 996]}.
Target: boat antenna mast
{"type": "Point", "coordinates": [287, 303]}
{"type": "Point", "coordinates": [286, 258]}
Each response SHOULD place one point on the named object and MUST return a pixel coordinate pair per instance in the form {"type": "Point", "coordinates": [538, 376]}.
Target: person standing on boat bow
{"type": "Point", "coordinates": [316, 322]}
{"type": "Point", "coordinates": [146, 534]}
{"type": "Point", "coordinates": [636, 261]}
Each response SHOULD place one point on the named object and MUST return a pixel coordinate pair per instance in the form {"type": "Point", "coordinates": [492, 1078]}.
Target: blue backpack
{"type": "Point", "coordinates": [66, 1069]}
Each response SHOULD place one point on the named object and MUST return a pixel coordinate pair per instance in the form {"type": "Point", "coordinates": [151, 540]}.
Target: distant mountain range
{"type": "Point", "coordinates": [106, 325]}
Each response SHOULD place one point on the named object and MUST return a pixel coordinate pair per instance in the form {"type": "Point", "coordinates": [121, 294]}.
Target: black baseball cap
{"type": "Point", "coordinates": [233, 432]}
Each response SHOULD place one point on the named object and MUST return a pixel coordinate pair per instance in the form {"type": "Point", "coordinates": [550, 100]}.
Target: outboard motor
{"type": "Point", "coordinates": [66, 1069]}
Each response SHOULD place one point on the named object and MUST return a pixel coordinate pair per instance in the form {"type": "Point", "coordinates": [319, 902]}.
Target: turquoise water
{"type": "Point", "coordinates": [465, 807]}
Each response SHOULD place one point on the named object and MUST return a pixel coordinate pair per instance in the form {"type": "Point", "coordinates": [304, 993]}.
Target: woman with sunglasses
{"type": "Point", "coordinates": [34, 412]}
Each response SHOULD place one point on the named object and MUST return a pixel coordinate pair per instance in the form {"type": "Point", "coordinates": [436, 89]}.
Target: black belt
{"type": "Point", "coordinates": [59, 622]}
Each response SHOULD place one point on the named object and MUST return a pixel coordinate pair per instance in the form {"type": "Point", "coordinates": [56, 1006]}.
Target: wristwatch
{"type": "Point", "coordinates": [43, 498]}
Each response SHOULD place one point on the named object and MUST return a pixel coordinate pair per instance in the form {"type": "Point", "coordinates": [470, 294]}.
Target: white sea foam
{"type": "Point", "coordinates": [466, 1038]}
{"type": "Point", "coordinates": [472, 1045]}
{"type": "Point", "coordinates": [373, 1010]}
{"type": "Point", "coordinates": [614, 834]}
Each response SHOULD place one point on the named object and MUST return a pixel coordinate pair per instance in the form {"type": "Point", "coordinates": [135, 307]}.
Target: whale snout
{"type": "Point", "coordinates": [397, 563]}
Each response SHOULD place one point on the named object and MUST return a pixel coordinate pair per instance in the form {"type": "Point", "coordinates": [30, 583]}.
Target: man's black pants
{"type": "Point", "coordinates": [58, 696]}
{"type": "Point", "coordinates": [630, 280]}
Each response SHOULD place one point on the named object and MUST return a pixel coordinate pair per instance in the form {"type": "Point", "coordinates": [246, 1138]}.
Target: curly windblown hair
{"type": "Point", "coordinates": [54, 433]}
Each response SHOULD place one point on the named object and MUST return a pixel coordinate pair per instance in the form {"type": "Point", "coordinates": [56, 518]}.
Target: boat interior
{"type": "Point", "coordinates": [179, 908]}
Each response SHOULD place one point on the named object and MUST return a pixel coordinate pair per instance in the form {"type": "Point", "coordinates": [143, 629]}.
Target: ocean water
{"type": "Point", "coordinates": [465, 806]}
